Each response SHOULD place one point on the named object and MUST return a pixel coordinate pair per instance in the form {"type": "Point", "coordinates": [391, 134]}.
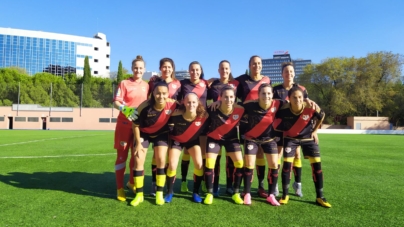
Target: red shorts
{"type": "Point", "coordinates": [123, 134]}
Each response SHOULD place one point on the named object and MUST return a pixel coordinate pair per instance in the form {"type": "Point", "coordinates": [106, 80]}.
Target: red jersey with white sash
{"type": "Point", "coordinates": [281, 93]}
{"type": "Point", "coordinates": [152, 121]}
{"type": "Point", "coordinates": [174, 87]}
{"type": "Point", "coordinates": [299, 126]}
{"type": "Point", "coordinates": [223, 127]}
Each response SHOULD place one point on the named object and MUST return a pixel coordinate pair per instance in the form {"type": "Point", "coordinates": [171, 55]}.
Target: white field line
{"type": "Point", "coordinates": [35, 141]}
{"type": "Point", "coordinates": [57, 156]}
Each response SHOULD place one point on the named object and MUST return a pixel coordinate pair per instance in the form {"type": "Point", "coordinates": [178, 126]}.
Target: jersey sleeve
{"type": "Point", "coordinates": [319, 113]}
{"type": "Point", "coordinates": [240, 90]}
{"type": "Point", "coordinates": [120, 92]}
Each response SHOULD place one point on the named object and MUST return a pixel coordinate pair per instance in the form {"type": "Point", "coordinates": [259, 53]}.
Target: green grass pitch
{"type": "Point", "coordinates": [66, 178]}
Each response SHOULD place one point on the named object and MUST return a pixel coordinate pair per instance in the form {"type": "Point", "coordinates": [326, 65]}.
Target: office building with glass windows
{"type": "Point", "coordinates": [59, 54]}
{"type": "Point", "coordinates": [273, 67]}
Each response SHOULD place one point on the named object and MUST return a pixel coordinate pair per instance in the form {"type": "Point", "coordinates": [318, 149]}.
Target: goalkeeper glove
{"type": "Point", "coordinates": [126, 110]}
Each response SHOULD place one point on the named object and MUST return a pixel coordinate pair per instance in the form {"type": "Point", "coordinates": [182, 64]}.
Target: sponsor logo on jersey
{"type": "Point", "coordinates": [235, 116]}
{"type": "Point", "coordinates": [211, 145]}
{"type": "Point", "coordinates": [288, 149]}
{"type": "Point", "coordinates": [168, 112]}
{"type": "Point", "coordinates": [305, 117]}
{"type": "Point", "coordinates": [198, 123]}
{"type": "Point", "coordinates": [250, 147]}
{"type": "Point", "coordinates": [118, 93]}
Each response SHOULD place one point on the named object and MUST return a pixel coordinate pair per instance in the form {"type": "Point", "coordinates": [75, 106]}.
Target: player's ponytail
{"type": "Point", "coordinates": [138, 58]}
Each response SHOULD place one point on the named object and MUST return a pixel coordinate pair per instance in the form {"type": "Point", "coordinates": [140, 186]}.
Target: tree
{"type": "Point", "coordinates": [119, 76]}
{"type": "Point", "coordinates": [87, 96]}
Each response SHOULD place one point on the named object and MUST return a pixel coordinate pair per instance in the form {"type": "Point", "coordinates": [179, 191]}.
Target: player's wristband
{"type": "Point", "coordinates": [121, 107]}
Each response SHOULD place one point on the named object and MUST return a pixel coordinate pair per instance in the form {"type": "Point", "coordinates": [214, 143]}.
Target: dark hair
{"type": "Point", "coordinates": [138, 58]}
{"type": "Point", "coordinates": [197, 63]}
{"type": "Point", "coordinates": [152, 100]}
{"type": "Point", "coordinates": [286, 64]}
{"type": "Point", "coordinates": [225, 88]}
{"type": "Point", "coordinates": [251, 58]}
{"type": "Point", "coordinates": [293, 89]}
{"type": "Point", "coordinates": [200, 110]}
{"type": "Point", "coordinates": [264, 85]}
{"type": "Point", "coordinates": [164, 60]}
{"type": "Point", "coordinates": [225, 61]}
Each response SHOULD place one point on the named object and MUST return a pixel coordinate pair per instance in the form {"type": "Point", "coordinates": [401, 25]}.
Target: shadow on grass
{"type": "Point", "coordinates": [90, 184]}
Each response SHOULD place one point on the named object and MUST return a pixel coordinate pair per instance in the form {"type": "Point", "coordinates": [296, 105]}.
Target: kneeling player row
{"type": "Point", "coordinates": [161, 118]}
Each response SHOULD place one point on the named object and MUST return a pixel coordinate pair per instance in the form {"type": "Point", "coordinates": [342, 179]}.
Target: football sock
{"type": "Point", "coordinates": [229, 172]}
{"type": "Point", "coordinates": [160, 179]}
{"type": "Point", "coordinates": [260, 171]}
{"type": "Point", "coordinates": [170, 179]}
{"type": "Point", "coordinates": [248, 178]}
{"type": "Point", "coordinates": [198, 176]}
{"type": "Point", "coordinates": [184, 166]}
{"type": "Point", "coordinates": [139, 180]}
{"type": "Point", "coordinates": [297, 169]}
{"type": "Point", "coordinates": [272, 180]}
{"type": "Point", "coordinates": [217, 173]}
{"type": "Point", "coordinates": [286, 174]}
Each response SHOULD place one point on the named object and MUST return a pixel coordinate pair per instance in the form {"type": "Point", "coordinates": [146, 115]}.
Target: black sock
{"type": "Point", "coordinates": [170, 184]}
{"type": "Point", "coordinates": [197, 183]}
{"type": "Point", "coordinates": [298, 174]}
{"type": "Point", "coordinates": [229, 172]}
{"type": "Point", "coordinates": [248, 177]}
{"type": "Point", "coordinates": [286, 171]}
{"type": "Point", "coordinates": [184, 170]}
{"type": "Point", "coordinates": [217, 174]}
{"type": "Point", "coordinates": [238, 175]}
{"type": "Point", "coordinates": [154, 171]}
{"type": "Point", "coordinates": [209, 174]}
{"type": "Point", "coordinates": [272, 180]}
{"type": "Point", "coordinates": [317, 178]}
{"type": "Point", "coordinates": [261, 176]}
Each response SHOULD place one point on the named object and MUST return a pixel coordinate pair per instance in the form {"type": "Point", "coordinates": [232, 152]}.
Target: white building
{"type": "Point", "coordinates": [148, 75]}
{"type": "Point", "coordinates": [38, 51]}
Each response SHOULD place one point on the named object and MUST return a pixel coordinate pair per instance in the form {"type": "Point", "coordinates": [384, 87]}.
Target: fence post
{"type": "Point", "coordinates": [18, 97]}
{"type": "Point", "coordinates": [50, 102]}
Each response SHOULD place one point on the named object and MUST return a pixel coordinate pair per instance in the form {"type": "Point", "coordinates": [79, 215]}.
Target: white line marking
{"type": "Point", "coordinates": [58, 156]}
{"type": "Point", "coordinates": [34, 141]}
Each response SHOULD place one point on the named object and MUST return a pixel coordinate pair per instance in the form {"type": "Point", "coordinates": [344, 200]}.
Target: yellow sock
{"type": "Point", "coordinates": [171, 173]}
{"type": "Point", "coordinates": [297, 163]}
{"type": "Point", "coordinates": [139, 181]}
{"type": "Point", "coordinates": [186, 157]}
{"type": "Point", "coordinates": [198, 172]}
{"type": "Point", "coordinates": [260, 162]}
{"type": "Point", "coordinates": [160, 180]}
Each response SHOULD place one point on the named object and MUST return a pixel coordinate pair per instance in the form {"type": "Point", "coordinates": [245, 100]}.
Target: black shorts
{"type": "Point", "coordinates": [279, 138]}
{"type": "Point", "coordinates": [269, 147]}
{"type": "Point", "coordinates": [309, 148]}
{"type": "Point", "coordinates": [187, 145]}
{"type": "Point", "coordinates": [159, 140]}
{"type": "Point", "coordinates": [214, 146]}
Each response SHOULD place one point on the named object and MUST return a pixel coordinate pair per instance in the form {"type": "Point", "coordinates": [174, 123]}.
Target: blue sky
{"type": "Point", "coordinates": [210, 31]}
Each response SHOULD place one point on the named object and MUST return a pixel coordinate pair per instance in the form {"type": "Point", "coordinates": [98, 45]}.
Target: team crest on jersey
{"type": "Point", "coordinates": [250, 147]}
{"type": "Point", "coordinates": [123, 143]}
{"type": "Point", "coordinates": [232, 85]}
{"type": "Point", "coordinates": [168, 112]}
{"type": "Point", "coordinates": [141, 139]}
{"type": "Point", "coordinates": [305, 117]}
{"type": "Point", "coordinates": [174, 86]}
{"type": "Point", "coordinates": [118, 93]}
{"type": "Point", "coordinates": [288, 149]}
{"type": "Point", "coordinates": [143, 89]}
{"type": "Point", "coordinates": [235, 116]}
{"type": "Point", "coordinates": [211, 145]}
{"type": "Point", "coordinates": [198, 123]}
{"type": "Point", "coordinates": [273, 109]}
{"type": "Point", "coordinates": [277, 139]}
{"type": "Point", "coordinates": [177, 143]}
{"type": "Point", "coordinates": [202, 84]}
